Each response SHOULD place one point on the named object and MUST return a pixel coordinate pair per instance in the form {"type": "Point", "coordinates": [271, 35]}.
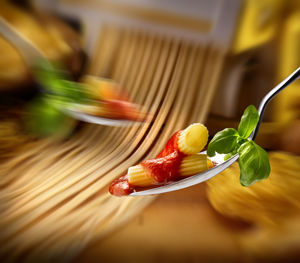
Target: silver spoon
{"type": "Point", "coordinates": [219, 158]}
{"type": "Point", "coordinates": [31, 54]}
{"type": "Point", "coordinates": [98, 120]}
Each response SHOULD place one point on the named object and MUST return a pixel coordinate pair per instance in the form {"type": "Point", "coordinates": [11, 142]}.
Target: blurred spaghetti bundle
{"type": "Point", "coordinates": [268, 203]}
{"type": "Point", "coordinates": [54, 198]}
{"type": "Point", "coordinates": [273, 205]}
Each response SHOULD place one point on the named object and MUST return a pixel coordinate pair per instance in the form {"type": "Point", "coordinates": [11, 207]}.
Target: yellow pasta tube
{"type": "Point", "coordinates": [190, 165]}
{"type": "Point", "coordinates": [137, 176]}
{"type": "Point", "coordinates": [193, 164]}
{"type": "Point", "coordinates": [193, 139]}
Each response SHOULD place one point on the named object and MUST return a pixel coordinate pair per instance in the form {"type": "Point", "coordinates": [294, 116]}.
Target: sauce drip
{"type": "Point", "coordinates": [171, 145]}
{"type": "Point", "coordinates": [121, 186]}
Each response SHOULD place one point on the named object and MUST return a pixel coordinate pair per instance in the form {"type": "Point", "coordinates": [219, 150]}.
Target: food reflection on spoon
{"type": "Point", "coordinates": [91, 99]}
{"type": "Point", "coordinates": [97, 97]}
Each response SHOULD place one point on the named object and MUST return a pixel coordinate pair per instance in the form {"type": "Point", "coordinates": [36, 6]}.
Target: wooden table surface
{"type": "Point", "coordinates": [180, 226]}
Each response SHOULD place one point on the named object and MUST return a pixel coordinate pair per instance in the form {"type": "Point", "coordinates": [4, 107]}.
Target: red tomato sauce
{"type": "Point", "coordinates": [171, 145]}
{"type": "Point", "coordinates": [121, 186]}
{"type": "Point", "coordinates": [163, 169]}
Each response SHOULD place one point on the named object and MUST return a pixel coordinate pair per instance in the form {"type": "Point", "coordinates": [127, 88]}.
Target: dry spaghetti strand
{"type": "Point", "coordinates": [54, 197]}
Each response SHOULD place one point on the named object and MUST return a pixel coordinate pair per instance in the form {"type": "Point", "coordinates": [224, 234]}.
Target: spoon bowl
{"type": "Point", "coordinates": [192, 180]}
{"type": "Point", "coordinates": [79, 115]}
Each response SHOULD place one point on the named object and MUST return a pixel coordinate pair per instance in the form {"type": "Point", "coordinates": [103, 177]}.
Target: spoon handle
{"type": "Point", "coordinates": [272, 93]}
{"type": "Point", "coordinates": [29, 52]}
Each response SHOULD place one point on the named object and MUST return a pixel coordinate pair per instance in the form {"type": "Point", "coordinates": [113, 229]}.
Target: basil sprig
{"type": "Point", "coordinates": [45, 116]}
{"type": "Point", "coordinates": [253, 160]}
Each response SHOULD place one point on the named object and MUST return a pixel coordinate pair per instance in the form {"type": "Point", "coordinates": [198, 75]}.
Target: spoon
{"type": "Point", "coordinates": [219, 158]}
{"type": "Point", "coordinates": [99, 120]}
{"type": "Point", "coordinates": [31, 54]}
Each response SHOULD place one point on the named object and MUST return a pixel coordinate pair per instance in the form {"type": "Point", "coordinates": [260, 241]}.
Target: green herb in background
{"type": "Point", "coordinates": [45, 119]}
{"type": "Point", "coordinates": [253, 160]}
{"type": "Point", "coordinates": [45, 115]}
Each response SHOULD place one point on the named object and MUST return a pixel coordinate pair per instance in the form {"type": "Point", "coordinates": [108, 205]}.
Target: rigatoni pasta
{"type": "Point", "coordinates": [193, 164]}
{"type": "Point", "coordinates": [178, 159]}
{"type": "Point", "coordinates": [193, 139]}
{"type": "Point", "coordinates": [139, 177]}
{"type": "Point", "coordinates": [190, 165]}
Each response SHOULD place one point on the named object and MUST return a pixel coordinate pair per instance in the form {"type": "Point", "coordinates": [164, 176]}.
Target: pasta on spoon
{"type": "Point", "coordinates": [178, 159]}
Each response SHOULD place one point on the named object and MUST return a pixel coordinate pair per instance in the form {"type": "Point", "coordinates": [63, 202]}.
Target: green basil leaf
{"type": "Point", "coordinates": [248, 121]}
{"type": "Point", "coordinates": [254, 163]}
{"type": "Point", "coordinates": [45, 119]}
{"type": "Point", "coordinates": [223, 142]}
